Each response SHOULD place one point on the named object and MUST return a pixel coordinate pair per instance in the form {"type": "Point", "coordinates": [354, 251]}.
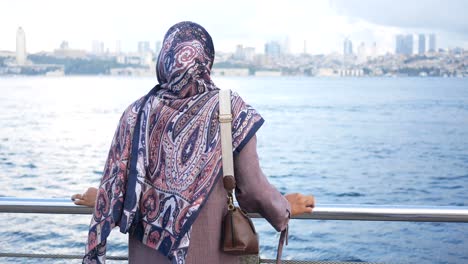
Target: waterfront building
{"type": "Point", "coordinates": [21, 55]}
{"type": "Point", "coordinates": [230, 72]}
{"type": "Point", "coordinates": [432, 43]}
{"type": "Point", "coordinates": [347, 47]}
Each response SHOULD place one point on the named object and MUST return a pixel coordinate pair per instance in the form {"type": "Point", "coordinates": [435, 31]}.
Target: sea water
{"type": "Point", "coordinates": [382, 141]}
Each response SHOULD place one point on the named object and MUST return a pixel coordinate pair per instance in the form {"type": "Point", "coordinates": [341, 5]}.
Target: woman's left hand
{"type": "Point", "coordinates": [88, 198]}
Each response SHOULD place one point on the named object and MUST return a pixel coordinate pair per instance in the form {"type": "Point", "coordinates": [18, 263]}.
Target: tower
{"type": "Point", "coordinates": [404, 44]}
{"type": "Point", "coordinates": [347, 47]}
{"type": "Point", "coordinates": [118, 47]}
{"type": "Point", "coordinates": [20, 47]}
{"type": "Point", "coordinates": [273, 49]}
{"type": "Point", "coordinates": [432, 43]}
{"type": "Point", "coordinates": [422, 44]}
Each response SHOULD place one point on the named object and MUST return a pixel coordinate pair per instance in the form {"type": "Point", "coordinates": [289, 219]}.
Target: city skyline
{"type": "Point", "coordinates": [322, 25]}
{"type": "Point", "coordinates": [404, 44]}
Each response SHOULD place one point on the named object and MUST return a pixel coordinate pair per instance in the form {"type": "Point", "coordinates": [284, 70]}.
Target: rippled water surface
{"type": "Point", "coordinates": [347, 141]}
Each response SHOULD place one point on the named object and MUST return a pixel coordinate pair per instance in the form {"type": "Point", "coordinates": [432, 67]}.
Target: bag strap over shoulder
{"type": "Point", "coordinates": [225, 119]}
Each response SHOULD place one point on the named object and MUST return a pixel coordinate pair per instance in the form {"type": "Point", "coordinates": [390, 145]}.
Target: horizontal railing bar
{"type": "Point", "coordinates": [54, 256]}
{"type": "Point", "coordinates": [125, 258]}
{"type": "Point", "coordinates": [321, 211]}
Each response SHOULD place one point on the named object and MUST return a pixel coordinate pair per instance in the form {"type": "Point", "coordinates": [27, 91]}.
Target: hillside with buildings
{"type": "Point", "coordinates": [410, 58]}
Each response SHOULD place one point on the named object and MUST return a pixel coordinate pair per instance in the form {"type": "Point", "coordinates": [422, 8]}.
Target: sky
{"type": "Point", "coordinates": [321, 25]}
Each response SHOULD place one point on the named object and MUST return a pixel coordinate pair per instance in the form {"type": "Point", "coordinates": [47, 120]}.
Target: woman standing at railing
{"type": "Point", "coordinates": [173, 207]}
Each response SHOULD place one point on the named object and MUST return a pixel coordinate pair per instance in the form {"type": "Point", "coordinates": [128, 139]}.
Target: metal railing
{"type": "Point", "coordinates": [321, 211]}
{"type": "Point", "coordinates": [452, 214]}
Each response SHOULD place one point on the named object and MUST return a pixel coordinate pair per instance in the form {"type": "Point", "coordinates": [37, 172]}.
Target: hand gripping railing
{"type": "Point", "coordinates": [321, 212]}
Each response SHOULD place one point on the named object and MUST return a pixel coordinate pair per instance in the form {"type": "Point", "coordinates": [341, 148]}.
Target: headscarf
{"type": "Point", "coordinates": [165, 156]}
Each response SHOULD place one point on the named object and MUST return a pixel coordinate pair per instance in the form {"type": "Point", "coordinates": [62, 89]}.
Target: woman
{"type": "Point", "coordinates": [173, 205]}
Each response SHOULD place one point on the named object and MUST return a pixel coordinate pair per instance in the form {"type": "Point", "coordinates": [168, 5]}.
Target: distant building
{"type": "Point", "coordinates": [305, 47]}
{"type": "Point", "coordinates": [65, 52]}
{"type": "Point", "coordinates": [21, 55]}
{"type": "Point", "coordinates": [404, 44]}
{"type": "Point", "coordinates": [230, 72]}
{"type": "Point", "coordinates": [373, 51]}
{"type": "Point", "coordinates": [64, 45]}
{"type": "Point", "coordinates": [432, 43]}
{"type": "Point", "coordinates": [286, 46]}
{"type": "Point", "coordinates": [157, 47]}
{"type": "Point", "coordinates": [422, 44]}
{"type": "Point", "coordinates": [144, 47]}
{"type": "Point", "coordinates": [239, 53]}
{"type": "Point", "coordinates": [362, 53]}
{"type": "Point", "coordinates": [98, 47]}
{"type": "Point", "coordinates": [249, 53]}
{"type": "Point", "coordinates": [347, 47]}
{"type": "Point", "coordinates": [244, 53]}
{"type": "Point", "coordinates": [118, 47]}
{"type": "Point", "coordinates": [273, 49]}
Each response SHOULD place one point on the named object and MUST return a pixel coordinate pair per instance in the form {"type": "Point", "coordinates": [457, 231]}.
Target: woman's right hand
{"type": "Point", "coordinates": [88, 198]}
{"type": "Point", "coordinates": [300, 203]}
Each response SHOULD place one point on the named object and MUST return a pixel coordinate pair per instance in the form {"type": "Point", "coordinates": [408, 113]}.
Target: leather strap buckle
{"type": "Point", "coordinates": [225, 118]}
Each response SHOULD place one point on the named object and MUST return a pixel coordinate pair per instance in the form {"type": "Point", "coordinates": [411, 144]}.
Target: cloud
{"type": "Point", "coordinates": [436, 15]}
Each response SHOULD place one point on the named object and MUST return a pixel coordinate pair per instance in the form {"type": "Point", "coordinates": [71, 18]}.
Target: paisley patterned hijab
{"type": "Point", "coordinates": [165, 156]}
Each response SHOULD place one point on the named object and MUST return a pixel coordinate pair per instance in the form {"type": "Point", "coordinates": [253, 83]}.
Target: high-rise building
{"type": "Point", "coordinates": [422, 44]}
{"type": "Point", "coordinates": [239, 53]}
{"type": "Point", "coordinates": [286, 46]}
{"type": "Point", "coordinates": [98, 47]}
{"type": "Point", "coordinates": [249, 53]}
{"type": "Point", "coordinates": [347, 47]}
{"type": "Point", "coordinates": [143, 47]}
{"type": "Point", "coordinates": [305, 47]}
{"type": "Point", "coordinates": [118, 47]}
{"type": "Point", "coordinates": [20, 47]}
{"type": "Point", "coordinates": [399, 44]}
{"type": "Point", "coordinates": [362, 53]}
{"type": "Point", "coordinates": [432, 43]}
{"type": "Point", "coordinates": [273, 49]}
{"type": "Point", "coordinates": [404, 44]}
{"type": "Point", "coordinates": [373, 51]}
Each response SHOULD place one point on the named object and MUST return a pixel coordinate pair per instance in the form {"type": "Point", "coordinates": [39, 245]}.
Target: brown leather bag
{"type": "Point", "coordinates": [238, 234]}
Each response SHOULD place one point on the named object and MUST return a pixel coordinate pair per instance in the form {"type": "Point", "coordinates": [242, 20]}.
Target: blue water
{"type": "Point", "coordinates": [347, 141]}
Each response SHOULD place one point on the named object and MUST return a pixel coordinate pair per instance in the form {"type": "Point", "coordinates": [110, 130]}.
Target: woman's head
{"type": "Point", "coordinates": [185, 60]}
